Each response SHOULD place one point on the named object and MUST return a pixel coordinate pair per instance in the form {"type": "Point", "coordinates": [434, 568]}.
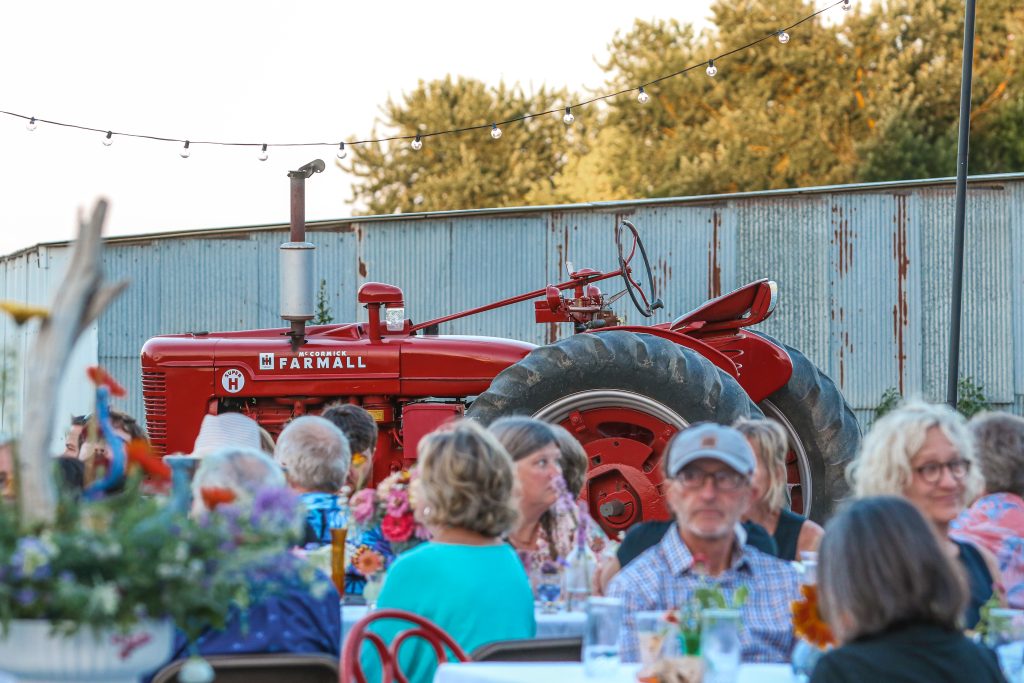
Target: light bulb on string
{"type": "Point", "coordinates": [109, 140]}
{"type": "Point", "coordinates": [712, 70]}
{"type": "Point", "coordinates": [31, 125]}
{"type": "Point", "coordinates": [642, 97]}
{"type": "Point", "coordinates": [263, 154]}
{"type": "Point", "coordinates": [846, 5]}
{"type": "Point", "coordinates": [495, 131]}
{"type": "Point", "coordinates": [783, 37]}
{"type": "Point", "coordinates": [342, 152]}
{"type": "Point", "coordinates": [417, 144]}
{"type": "Point", "coordinates": [568, 118]}
{"type": "Point", "coordinates": [185, 152]}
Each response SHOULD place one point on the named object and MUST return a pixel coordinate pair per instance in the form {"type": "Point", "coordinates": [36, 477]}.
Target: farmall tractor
{"type": "Point", "coordinates": [622, 391]}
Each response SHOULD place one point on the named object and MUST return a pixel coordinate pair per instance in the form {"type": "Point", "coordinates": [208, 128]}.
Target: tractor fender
{"type": "Point", "coordinates": [717, 358]}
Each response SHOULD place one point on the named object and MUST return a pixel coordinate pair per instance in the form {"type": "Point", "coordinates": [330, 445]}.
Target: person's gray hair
{"type": "Point", "coordinates": [243, 471]}
{"type": "Point", "coordinates": [880, 562]}
{"type": "Point", "coordinates": [314, 453]}
{"type": "Point", "coordinates": [882, 466]}
{"type": "Point", "coordinates": [573, 459]}
{"type": "Point", "coordinates": [522, 436]}
{"type": "Point", "coordinates": [771, 446]}
{"type": "Point", "coordinates": [999, 446]}
{"type": "Point", "coordinates": [466, 480]}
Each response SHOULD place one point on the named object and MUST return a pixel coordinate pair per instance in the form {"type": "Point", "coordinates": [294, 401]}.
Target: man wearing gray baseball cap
{"type": "Point", "coordinates": [708, 473]}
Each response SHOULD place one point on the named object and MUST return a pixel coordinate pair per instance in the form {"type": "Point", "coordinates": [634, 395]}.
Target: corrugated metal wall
{"type": "Point", "coordinates": [863, 275]}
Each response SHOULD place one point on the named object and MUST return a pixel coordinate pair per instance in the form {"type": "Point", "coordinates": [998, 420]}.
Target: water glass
{"type": "Point", "coordinates": [720, 645]}
{"type": "Point", "coordinates": [651, 632]}
{"type": "Point", "coordinates": [1006, 638]}
{"type": "Point", "coordinates": [601, 637]}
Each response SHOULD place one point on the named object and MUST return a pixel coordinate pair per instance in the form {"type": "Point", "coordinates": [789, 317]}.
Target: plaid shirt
{"type": "Point", "coordinates": [663, 578]}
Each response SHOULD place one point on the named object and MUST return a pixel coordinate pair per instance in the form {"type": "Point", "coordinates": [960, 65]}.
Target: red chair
{"type": "Point", "coordinates": [352, 670]}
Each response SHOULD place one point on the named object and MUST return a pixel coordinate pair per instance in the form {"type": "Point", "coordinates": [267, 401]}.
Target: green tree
{"type": "Point", "coordinates": [469, 169]}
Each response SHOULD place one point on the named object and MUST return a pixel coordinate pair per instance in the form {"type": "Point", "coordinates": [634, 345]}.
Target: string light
{"type": "Point", "coordinates": [568, 118]}
{"type": "Point", "coordinates": [185, 152]}
{"type": "Point", "coordinates": [109, 140]}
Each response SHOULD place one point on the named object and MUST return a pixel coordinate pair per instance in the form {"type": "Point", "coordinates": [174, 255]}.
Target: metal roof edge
{"type": "Point", "coordinates": [324, 224]}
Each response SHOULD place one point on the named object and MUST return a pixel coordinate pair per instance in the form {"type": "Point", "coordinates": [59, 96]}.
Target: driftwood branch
{"type": "Point", "coordinates": [80, 299]}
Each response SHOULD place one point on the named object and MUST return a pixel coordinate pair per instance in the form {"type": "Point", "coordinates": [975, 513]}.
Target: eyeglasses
{"type": "Point", "coordinates": [931, 472]}
{"type": "Point", "coordinates": [724, 480]}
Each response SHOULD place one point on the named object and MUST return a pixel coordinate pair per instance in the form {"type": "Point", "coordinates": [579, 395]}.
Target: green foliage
{"type": "Point", "coordinates": [971, 399]}
{"type": "Point", "coordinates": [866, 95]}
{"type": "Point", "coordinates": [469, 169]}
{"type": "Point", "coordinates": [710, 595]}
{"type": "Point", "coordinates": [323, 311]}
{"type": "Point", "coordinates": [118, 560]}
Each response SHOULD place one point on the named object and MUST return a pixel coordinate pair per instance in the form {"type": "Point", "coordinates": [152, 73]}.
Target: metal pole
{"type": "Point", "coordinates": [961, 205]}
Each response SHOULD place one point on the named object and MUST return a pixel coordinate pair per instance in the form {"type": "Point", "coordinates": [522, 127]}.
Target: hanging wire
{"type": "Point", "coordinates": [31, 120]}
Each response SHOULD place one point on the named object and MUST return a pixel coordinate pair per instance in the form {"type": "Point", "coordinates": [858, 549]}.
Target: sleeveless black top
{"type": "Point", "coordinates": [787, 533]}
{"type": "Point", "coordinates": [979, 580]}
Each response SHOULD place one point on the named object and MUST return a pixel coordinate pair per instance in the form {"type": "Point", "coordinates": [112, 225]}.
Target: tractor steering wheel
{"type": "Point", "coordinates": [635, 289]}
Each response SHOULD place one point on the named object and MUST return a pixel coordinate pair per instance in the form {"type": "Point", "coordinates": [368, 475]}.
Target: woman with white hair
{"type": "Point", "coordinates": [923, 452]}
{"type": "Point", "coordinates": [792, 533]}
{"type": "Point", "coordinates": [295, 617]}
{"type": "Point", "coordinates": [893, 599]}
{"type": "Point", "coordinates": [996, 520]}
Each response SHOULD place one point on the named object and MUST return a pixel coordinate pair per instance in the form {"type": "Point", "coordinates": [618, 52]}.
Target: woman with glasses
{"type": "Point", "coordinates": [923, 453]}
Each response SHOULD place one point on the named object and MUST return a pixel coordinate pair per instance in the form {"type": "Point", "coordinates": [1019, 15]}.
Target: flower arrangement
{"type": "Point", "coordinates": [807, 621]}
{"type": "Point", "coordinates": [385, 524]}
{"type": "Point", "coordinates": [687, 619]}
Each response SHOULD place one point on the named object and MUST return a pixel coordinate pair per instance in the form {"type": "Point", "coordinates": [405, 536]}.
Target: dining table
{"type": "Point", "coordinates": [572, 672]}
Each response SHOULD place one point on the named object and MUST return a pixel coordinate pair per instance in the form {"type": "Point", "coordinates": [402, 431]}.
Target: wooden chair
{"type": "Point", "coordinates": [262, 668]}
{"type": "Point", "coordinates": [352, 670]}
{"type": "Point", "coordinates": [531, 650]}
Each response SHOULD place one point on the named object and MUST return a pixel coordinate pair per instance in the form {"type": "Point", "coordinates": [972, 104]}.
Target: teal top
{"type": "Point", "coordinates": [477, 594]}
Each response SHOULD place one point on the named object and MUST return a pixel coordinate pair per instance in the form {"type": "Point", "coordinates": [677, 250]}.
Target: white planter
{"type": "Point", "coordinates": [31, 653]}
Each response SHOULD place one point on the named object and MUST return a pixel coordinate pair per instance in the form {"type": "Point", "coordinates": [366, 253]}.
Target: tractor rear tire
{"type": "Point", "coordinates": [625, 394]}
{"type": "Point", "coordinates": [639, 363]}
{"type": "Point", "coordinates": [814, 413]}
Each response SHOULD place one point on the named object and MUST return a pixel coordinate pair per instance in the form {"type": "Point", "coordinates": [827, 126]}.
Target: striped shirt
{"type": "Point", "coordinates": [663, 578]}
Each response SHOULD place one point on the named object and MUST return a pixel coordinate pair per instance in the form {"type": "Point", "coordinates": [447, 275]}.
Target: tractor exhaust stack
{"type": "Point", "coordinates": [296, 259]}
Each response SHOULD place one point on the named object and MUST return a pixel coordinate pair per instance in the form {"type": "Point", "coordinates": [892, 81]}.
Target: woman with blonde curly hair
{"type": "Point", "coordinates": [923, 452]}
{"type": "Point", "coordinates": [465, 579]}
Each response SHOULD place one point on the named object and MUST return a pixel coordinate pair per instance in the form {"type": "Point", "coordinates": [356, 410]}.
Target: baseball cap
{"type": "Point", "coordinates": [710, 440]}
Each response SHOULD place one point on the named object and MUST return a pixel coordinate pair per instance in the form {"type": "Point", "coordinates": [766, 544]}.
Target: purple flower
{"type": "Point", "coordinates": [31, 558]}
{"type": "Point", "coordinates": [26, 596]}
{"type": "Point", "coordinates": [275, 507]}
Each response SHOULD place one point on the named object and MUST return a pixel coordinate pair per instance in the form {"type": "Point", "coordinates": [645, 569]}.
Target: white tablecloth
{"type": "Point", "coordinates": [558, 625]}
{"type": "Point", "coordinates": [508, 672]}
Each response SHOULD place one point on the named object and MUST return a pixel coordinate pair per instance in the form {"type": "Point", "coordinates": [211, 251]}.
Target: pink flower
{"type": "Point", "coordinates": [362, 504]}
{"type": "Point", "coordinates": [397, 529]}
{"type": "Point", "coordinates": [397, 503]}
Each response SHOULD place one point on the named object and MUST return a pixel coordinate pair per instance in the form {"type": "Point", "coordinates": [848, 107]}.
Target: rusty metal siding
{"type": "Point", "coordinates": [863, 275]}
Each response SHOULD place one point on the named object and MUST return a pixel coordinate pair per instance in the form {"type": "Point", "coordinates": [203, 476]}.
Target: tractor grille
{"type": "Point", "coordinates": [154, 396]}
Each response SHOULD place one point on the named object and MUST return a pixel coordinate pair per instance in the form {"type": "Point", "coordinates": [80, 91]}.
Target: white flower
{"type": "Point", "coordinates": [106, 597]}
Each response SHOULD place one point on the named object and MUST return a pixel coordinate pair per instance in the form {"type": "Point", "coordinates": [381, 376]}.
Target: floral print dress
{"type": "Point", "coordinates": [996, 522]}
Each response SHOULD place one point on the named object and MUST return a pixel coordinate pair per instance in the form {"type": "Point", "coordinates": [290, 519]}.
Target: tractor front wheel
{"type": "Point", "coordinates": [623, 396]}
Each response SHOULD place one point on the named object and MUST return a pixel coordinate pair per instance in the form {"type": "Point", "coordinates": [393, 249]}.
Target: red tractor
{"type": "Point", "coordinates": [623, 391]}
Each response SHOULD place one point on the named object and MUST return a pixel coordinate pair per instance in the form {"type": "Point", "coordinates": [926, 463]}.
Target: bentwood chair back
{"type": "Point", "coordinates": [439, 640]}
{"type": "Point", "coordinates": [262, 668]}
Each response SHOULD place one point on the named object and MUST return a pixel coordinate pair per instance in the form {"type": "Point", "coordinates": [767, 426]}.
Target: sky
{"type": "Point", "coordinates": [252, 71]}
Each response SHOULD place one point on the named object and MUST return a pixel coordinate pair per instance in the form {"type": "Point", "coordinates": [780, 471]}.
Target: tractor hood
{"type": "Point", "coordinates": [335, 361]}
